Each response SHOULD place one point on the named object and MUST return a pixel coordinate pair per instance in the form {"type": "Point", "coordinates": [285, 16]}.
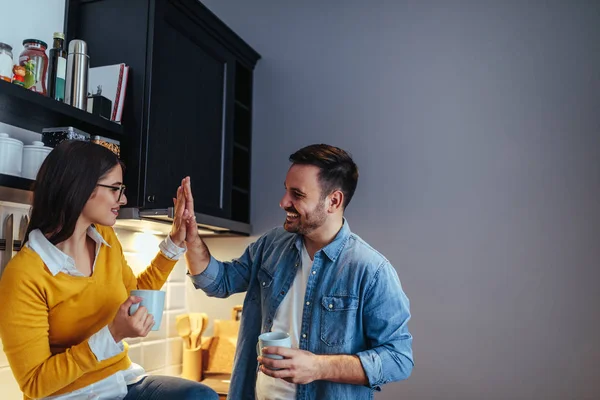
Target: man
{"type": "Point", "coordinates": [339, 299]}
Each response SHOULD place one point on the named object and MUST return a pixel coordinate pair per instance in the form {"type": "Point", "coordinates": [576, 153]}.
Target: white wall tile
{"type": "Point", "coordinates": [215, 308]}
{"type": "Point", "coordinates": [174, 351]}
{"type": "Point", "coordinates": [172, 324]}
{"type": "Point", "coordinates": [132, 341]}
{"type": "Point", "coordinates": [173, 370]}
{"type": "Point", "coordinates": [8, 386]}
{"type": "Point", "coordinates": [139, 248]}
{"type": "Point", "coordinates": [159, 371]}
{"type": "Point", "coordinates": [179, 271]}
{"type": "Point", "coordinates": [136, 354]}
{"type": "Point", "coordinates": [3, 360]}
{"type": "Point", "coordinates": [175, 296]}
{"type": "Point", "coordinates": [154, 354]}
{"type": "Point", "coordinates": [223, 249]}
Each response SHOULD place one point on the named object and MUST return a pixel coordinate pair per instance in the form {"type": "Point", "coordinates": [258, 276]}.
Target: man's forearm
{"type": "Point", "coordinates": [342, 369]}
{"type": "Point", "coordinates": [197, 256]}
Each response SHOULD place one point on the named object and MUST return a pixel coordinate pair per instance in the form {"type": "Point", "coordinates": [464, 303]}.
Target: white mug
{"type": "Point", "coordinates": [154, 301]}
{"type": "Point", "coordinates": [273, 339]}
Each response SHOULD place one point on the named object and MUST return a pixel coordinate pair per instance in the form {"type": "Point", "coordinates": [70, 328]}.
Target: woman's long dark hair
{"type": "Point", "coordinates": [64, 183]}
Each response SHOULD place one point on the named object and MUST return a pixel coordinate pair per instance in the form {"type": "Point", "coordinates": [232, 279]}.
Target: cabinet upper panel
{"type": "Point", "coordinates": [188, 111]}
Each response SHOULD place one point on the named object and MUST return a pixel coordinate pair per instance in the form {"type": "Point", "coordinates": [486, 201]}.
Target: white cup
{"type": "Point", "coordinates": [154, 301]}
{"type": "Point", "coordinates": [273, 339]}
{"type": "Point", "coordinates": [11, 154]}
{"type": "Point", "coordinates": [33, 157]}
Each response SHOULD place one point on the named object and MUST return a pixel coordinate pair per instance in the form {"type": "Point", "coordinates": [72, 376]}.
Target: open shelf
{"type": "Point", "coordinates": [240, 190]}
{"type": "Point", "coordinates": [240, 147]}
{"type": "Point", "coordinates": [33, 111]}
{"type": "Point", "coordinates": [16, 182]}
{"type": "Point", "coordinates": [243, 85]}
{"type": "Point", "coordinates": [240, 210]}
{"type": "Point", "coordinates": [241, 169]}
{"type": "Point", "coordinates": [242, 105]}
{"type": "Point", "coordinates": [242, 127]}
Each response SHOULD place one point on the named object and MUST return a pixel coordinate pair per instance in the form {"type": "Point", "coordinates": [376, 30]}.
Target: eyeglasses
{"type": "Point", "coordinates": [120, 188]}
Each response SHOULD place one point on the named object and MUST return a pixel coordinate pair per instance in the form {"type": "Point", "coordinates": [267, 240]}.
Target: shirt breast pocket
{"type": "Point", "coordinates": [264, 281]}
{"type": "Point", "coordinates": [338, 319]}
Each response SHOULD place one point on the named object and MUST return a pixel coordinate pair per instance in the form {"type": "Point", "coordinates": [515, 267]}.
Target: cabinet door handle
{"type": "Point", "coordinates": [151, 198]}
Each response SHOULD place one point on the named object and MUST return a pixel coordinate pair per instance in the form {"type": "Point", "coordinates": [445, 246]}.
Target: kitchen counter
{"type": "Point", "coordinates": [218, 382]}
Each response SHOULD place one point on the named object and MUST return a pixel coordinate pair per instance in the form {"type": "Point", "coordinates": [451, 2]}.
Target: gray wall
{"type": "Point", "coordinates": [476, 129]}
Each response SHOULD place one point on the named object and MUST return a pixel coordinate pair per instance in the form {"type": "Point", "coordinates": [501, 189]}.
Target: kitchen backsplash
{"type": "Point", "coordinates": [216, 308]}
{"type": "Point", "coordinates": [161, 351]}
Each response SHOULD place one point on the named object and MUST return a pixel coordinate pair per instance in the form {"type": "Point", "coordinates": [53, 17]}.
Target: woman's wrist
{"type": "Point", "coordinates": [175, 241]}
{"type": "Point", "coordinates": [113, 332]}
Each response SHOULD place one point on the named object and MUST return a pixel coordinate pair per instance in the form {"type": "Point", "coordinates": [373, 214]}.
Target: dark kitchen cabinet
{"type": "Point", "coordinates": [188, 107]}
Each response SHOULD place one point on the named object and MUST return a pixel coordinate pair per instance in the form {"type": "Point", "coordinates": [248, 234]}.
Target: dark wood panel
{"type": "Point", "coordinates": [188, 114]}
{"type": "Point", "coordinates": [16, 182]}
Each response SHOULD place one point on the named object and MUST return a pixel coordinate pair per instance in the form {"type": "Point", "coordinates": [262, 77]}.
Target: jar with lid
{"type": "Point", "coordinates": [11, 155]}
{"type": "Point", "coordinates": [35, 61]}
{"type": "Point", "coordinates": [6, 62]}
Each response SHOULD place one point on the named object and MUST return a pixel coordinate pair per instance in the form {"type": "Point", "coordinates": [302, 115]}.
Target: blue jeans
{"type": "Point", "coordinates": [156, 387]}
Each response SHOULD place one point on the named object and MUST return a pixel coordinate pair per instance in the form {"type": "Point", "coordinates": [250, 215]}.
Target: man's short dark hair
{"type": "Point", "coordinates": [337, 170]}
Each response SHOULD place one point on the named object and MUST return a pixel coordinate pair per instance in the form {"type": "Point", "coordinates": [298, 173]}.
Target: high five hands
{"type": "Point", "coordinates": [184, 221]}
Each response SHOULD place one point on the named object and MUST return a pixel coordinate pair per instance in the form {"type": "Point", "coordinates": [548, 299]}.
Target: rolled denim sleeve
{"type": "Point", "coordinates": [208, 277]}
{"type": "Point", "coordinates": [222, 279]}
{"type": "Point", "coordinates": [386, 313]}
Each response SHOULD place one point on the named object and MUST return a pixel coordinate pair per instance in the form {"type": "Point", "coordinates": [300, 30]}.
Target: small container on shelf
{"type": "Point", "coordinates": [6, 62]}
{"type": "Point", "coordinates": [52, 137]}
{"type": "Point", "coordinates": [11, 155]}
{"type": "Point", "coordinates": [111, 144]}
{"type": "Point", "coordinates": [33, 157]}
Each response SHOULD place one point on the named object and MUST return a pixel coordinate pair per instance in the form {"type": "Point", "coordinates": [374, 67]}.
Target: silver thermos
{"type": "Point", "coordinates": [78, 63]}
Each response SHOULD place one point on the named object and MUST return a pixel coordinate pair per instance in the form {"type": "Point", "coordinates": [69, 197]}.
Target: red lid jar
{"type": "Point", "coordinates": [35, 61]}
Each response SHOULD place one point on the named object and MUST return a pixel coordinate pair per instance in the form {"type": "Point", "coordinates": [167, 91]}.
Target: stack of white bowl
{"type": "Point", "coordinates": [19, 160]}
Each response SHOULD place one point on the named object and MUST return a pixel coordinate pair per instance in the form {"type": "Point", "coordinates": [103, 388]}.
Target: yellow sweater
{"type": "Point", "coordinates": [46, 321]}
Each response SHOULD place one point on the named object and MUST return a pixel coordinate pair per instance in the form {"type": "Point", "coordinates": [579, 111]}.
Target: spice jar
{"type": "Point", "coordinates": [35, 61]}
{"type": "Point", "coordinates": [6, 62]}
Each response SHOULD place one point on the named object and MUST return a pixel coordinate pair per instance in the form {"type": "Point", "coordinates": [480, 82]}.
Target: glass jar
{"type": "Point", "coordinates": [35, 61]}
{"type": "Point", "coordinates": [6, 62]}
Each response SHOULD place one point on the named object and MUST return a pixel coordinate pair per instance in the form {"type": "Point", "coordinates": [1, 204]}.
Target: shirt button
{"type": "Point", "coordinates": [331, 306]}
{"type": "Point", "coordinates": [296, 264]}
{"type": "Point", "coordinates": [304, 335]}
{"type": "Point", "coordinates": [308, 303]}
{"type": "Point", "coordinates": [314, 272]}
{"type": "Point", "coordinates": [264, 283]}
{"type": "Point", "coordinates": [282, 293]}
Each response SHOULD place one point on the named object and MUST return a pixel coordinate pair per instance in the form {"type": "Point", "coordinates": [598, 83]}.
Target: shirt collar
{"type": "Point", "coordinates": [52, 256]}
{"type": "Point", "coordinates": [333, 249]}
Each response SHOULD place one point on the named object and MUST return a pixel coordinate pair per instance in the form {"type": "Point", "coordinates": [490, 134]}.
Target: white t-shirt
{"type": "Point", "coordinates": [288, 318]}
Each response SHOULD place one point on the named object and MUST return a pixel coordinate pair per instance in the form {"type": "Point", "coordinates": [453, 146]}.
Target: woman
{"type": "Point", "coordinates": [65, 296]}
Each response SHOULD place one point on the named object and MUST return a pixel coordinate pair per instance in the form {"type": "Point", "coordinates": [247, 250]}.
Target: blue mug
{"type": "Point", "coordinates": [273, 339]}
{"type": "Point", "coordinates": [154, 301]}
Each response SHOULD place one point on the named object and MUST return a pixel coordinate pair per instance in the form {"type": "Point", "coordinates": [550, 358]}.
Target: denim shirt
{"type": "Point", "coordinates": [354, 304]}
